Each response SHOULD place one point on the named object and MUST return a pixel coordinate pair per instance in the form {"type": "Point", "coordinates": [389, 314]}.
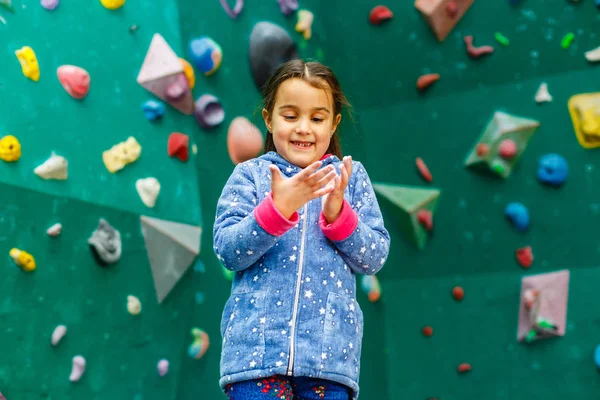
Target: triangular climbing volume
{"type": "Point", "coordinates": [172, 248]}
{"type": "Point", "coordinates": [416, 206]}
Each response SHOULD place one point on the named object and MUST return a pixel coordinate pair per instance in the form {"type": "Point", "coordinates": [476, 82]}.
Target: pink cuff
{"type": "Point", "coordinates": [271, 220]}
{"type": "Point", "coordinates": [343, 226]}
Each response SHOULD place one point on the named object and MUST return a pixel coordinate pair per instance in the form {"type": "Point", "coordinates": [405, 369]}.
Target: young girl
{"type": "Point", "coordinates": [297, 225]}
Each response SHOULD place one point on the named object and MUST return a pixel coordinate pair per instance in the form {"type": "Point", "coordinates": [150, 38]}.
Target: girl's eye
{"type": "Point", "coordinates": [288, 117]}
{"type": "Point", "coordinates": [317, 119]}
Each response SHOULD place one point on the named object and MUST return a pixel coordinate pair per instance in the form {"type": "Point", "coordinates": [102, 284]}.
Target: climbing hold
{"type": "Point", "coordinates": [426, 80]}
{"type": "Point", "coordinates": [593, 55]}
{"type": "Point", "coordinates": [75, 80]}
{"type": "Point", "coordinates": [411, 200]}
{"type": "Point", "coordinates": [442, 16]}
{"type": "Point", "coordinates": [23, 259]}
{"type": "Point", "coordinates": [237, 9]}
{"type": "Point", "coordinates": [163, 74]}
{"type": "Point", "coordinates": [29, 63]}
{"type": "Point", "coordinates": [244, 140]}
{"type": "Point", "coordinates": [10, 149]}
{"type": "Point", "coordinates": [380, 14]}
{"type": "Point", "coordinates": [567, 40]}
{"type": "Point", "coordinates": [423, 170]}
{"type": "Point", "coordinates": [208, 111]}
{"type": "Point", "coordinates": [597, 356]}
{"type": "Point", "coordinates": [188, 71]}
{"type": "Point", "coordinates": [370, 285]}
{"type": "Point", "coordinates": [49, 4]}
{"type": "Point", "coordinates": [78, 368]}
{"type": "Point", "coordinates": [304, 25]}
{"type": "Point", "coordinates": [518, 215]}
{"type": "Point", "coordinates": [288, 6]}
{"type": "Point", "coordinates": [427, 331]}
{"type": "Point", "coordinates": [501, 126]}
{"type": "Point", "coordinates": [133, 28]}
{"type": "Point", "coordinates": [163, 367]}
{"type": "Point", "coordinates": [206, 54]}
{"type": "Point", "coordinates": [55, 167]}
{"type": "Point", "coordinates": [7, 4]}
{"type": "Point", "coordinates": [524, 256]}
{"type": "Point", "coordinates": [200, 345]}
{"type": "Point", "coordinates": [59, 332]}
{"type": "Point", "coordinates": [553, 170]}
{"type": "Point", "coordinates": [425, 218]}
{"type": "Point", "coordinates": [148, 189]}
{"type": "Point", "coordinates": [507, 149]}
{"type": "Point", "coordinates": [270, 46]}
{"type": "Point", "coordinates": [134, 307]}
{"type": "Point", "coordinates": [458, 293]}
{"type": "Point", "coordinates": [112, 4]}
{"type": "Point", "coordinates": [153, 110]}
{"type": "Point", "coordinates": [476, 52]}
{"type": "Point", "coordinates": [500, 38]}
{"type": "Point", "coordinates": [542, 95]}
{"type": "Point", "coordinates": [464, 367]}
{"type": "Point", "coordinates": [585, 116]}
{"type": "Point", "coordinates": [178, 146]}
{"type": "Point", "coordinates": [54, 230]}
{"type": "Point", "coordinates": [121, 154]}
{"type": "Point", "coordinates": [105, 243]}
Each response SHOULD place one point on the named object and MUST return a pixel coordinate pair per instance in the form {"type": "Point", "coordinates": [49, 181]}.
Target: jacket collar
{"type": "Point", "coordinates": [288, 168]}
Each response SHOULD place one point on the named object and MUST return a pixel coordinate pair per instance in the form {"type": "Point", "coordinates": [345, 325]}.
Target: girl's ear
{"type": "Point", "coordinates": [336, 122]}
{"type": "Point", "coordinates": [267, 118]}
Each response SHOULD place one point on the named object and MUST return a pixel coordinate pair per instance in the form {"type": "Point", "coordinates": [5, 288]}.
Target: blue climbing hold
{"type": "Point", "coordinates": [206, 54]}
{"type": "Point", "coordinates": [153, 110]}
{"type": "Point", "coordinates": [518, 215]}
{"type": "Point", "coordinates": [597, 356]}
{"type": "Point", "coordinates": [553, 170]}
{"type": "Point", "coordinates": [598, 4]}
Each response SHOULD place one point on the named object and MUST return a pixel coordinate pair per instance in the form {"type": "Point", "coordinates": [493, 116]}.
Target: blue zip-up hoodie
{"type": "Point", "coordinates": [293, 309]}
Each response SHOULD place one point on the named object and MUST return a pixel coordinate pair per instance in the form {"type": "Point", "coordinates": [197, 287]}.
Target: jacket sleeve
{"type": "Point", "coordinates": [359, 233]}
{"type": "Point", "coordinates": [244, 229]}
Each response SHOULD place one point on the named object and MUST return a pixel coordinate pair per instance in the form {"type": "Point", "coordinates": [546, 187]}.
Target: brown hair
{"type": "Point", "coordinates": [315, 74]}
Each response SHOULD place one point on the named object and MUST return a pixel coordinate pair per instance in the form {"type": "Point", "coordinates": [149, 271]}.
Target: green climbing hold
{"type": "Point", "coordinates": [503, 40]}
{"type": "Point", "coordinates": [7, 4]}
{"type": "Point", "coordinates": [498, 168]}
{"type": "Point", "coordinates": [567, 40]}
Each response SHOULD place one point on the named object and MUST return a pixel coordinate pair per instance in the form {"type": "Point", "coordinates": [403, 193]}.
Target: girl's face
{"type": "Point", "coordinates": [302, 121]}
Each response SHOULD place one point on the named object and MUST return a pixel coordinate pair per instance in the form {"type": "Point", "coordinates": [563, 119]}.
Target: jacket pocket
{"type": "Point", "coordinates": [243, 332]}
{"type": "Point", "coordinates": [343, 331]}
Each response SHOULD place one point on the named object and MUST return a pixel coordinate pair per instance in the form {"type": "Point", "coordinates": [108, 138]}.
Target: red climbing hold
{"type": "Point", "coordinates": [464, 367]}
{"type": "Point", "coordinates": [427, 331]}
{"type": "Point", "coordinates": [425, 218]}
{"type": "Point", "coordinates": [452, 9]}
{"type": "Point", "coordinates": [458, 293]}
{"type": "Point", "coordinates": [380, 14]}
{"type": "Point", "coordinates": [426, 80]}
{"type": "Point", "coordinates": [178, 145]}
{"type": "Point", "coordinates": [507, 149]}
{"type": "Point", "coordinates": [476, 52]}
{"type": "Point", "coordinates": [424, 170]}
{"type": "Point", "coordinates": [525, 256]}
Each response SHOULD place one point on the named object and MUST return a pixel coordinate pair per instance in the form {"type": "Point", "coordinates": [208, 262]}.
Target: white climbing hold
{"type": "Point", "coordinates": [542, 94]}
{"type": "Point", "coordinates": [58, 334]}
{"type": "Point", "coordinates": [55, 229]}
{"type": "Point", "coordinates": [133, 305]}
{"type": "Point", "coordinates": [593, 55]}
{"type": "Point", "coordinates": [78, 368]}
{"type": "Point", "coordinates": [55, 167]}
{"type": "Point", "coordinates": [148, 189]}
{"type": "Point", "coordinates": [163, 367]}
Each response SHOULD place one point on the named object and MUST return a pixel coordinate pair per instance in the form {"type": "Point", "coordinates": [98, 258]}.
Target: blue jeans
{"type": "Point", "coordinates": [287, 388]}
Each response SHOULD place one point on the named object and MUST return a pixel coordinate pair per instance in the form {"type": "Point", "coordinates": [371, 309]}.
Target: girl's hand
{"type": "Point", "coordinates": [334, 199]}
{"type": "Point", "coordinates": [289, 194]}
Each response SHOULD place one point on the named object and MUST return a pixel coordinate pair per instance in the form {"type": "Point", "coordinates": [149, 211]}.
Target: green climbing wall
{"type": "Point", "coordinates": [472, 246]}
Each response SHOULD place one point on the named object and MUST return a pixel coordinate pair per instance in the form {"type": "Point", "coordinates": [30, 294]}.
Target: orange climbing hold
{"type": "Point", "coordinates": [425, 218]}
{"type": "Point", "coordinates": [380, 14]}
{"type": "Point", "coordinates": [458, 293]}
{"type": "Point", "coordinates": [424, 170]}
{"type": "Point", "coordinates": [427, 331]}
{"type": "Point", "coordinates": [482, 149]}
{"type": "Point", "coordinates": [464, 367]}
{"type": "Point", "coordinates": [426, 80]}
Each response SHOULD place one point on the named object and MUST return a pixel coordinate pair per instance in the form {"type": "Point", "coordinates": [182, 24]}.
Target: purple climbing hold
{"type": "Point", "coordinates": [49, 4]}
{"type": "Point", "coordinates": [237, 9]}
{"type": "Point", "coordinates": [208, 111]}
{"type": "Point", "coordinates": [288, 6]}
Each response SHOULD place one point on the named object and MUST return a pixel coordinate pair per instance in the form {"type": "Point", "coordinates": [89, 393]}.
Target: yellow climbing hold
{"type": "Point", "coordinates": [10, 149]}
{"type": "Point", "coordinates": [121, 154]}
{"type": "Point", "coordinates": [584, 109]}
{"type": "Point", "coordinates": [29, 63]}
{"type": "Point", "coordinates": [112, 4]}
{"type": "Point", "coordinates": [188, 72]}
{"type": "Point", "coordinates": [23, 259]}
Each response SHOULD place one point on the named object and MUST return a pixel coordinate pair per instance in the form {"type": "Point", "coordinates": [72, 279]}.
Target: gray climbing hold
{"type": "Point", "coordinates": [105, 243]}
{"type": "Point", "coordinates": [270, 46]}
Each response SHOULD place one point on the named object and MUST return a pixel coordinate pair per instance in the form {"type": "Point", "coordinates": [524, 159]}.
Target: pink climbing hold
{"type": "Point", "coordinates": [476, 52]}
{"type": "Point", "coordinates": [75, 80]}
{"type": "Point", "coordinates": [507, 149]}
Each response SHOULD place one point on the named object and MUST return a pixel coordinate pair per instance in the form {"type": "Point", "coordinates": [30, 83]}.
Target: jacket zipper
{"type": "Point", "coordinates": [297, 296]}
